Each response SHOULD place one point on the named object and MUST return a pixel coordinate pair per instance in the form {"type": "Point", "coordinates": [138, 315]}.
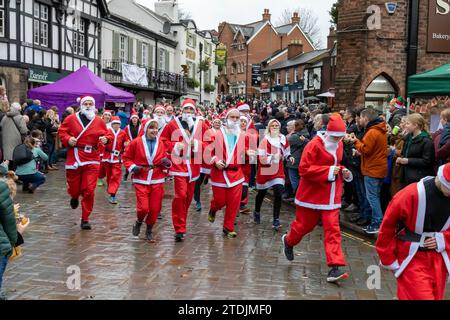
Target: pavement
{"type": "Point", "coordinates": [113, 264]}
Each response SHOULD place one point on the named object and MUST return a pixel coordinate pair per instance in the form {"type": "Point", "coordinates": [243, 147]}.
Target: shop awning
{"type": "Point", "coordinates": [326, 95]}
{"type": "Point", "coordinates": [434, 82]}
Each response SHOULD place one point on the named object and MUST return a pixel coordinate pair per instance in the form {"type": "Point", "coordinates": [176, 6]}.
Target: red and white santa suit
{"type": "Point", "coordinates": [320, 190]}
{"type": "Point", "coordinates": [418, 212]}
{"type": "Point", "coordinates": [186, 148]}
{"type": "Point", "coordinates": [149, 181]}
{"type": "Point", "coordinates": [112, 155]}
{"type": "Point", "coordinates": [106, 117]}
{"type": "Point", "coordinates": [252, 142]}
{"type": "Point", "coordinates": [83, 160]}
{"type": "Point", "coordinates": [160, 118]}
{"type": "Point", "coordinates": [227, 182]}
{"type": "Point", "coordinates": [128, 128]}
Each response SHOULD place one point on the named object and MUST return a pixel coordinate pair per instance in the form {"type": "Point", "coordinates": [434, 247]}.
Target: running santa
{"type": "Point", "coordinates": [82, 133]}
{"type": "Point", "coordinates": [146, 159]}
{"type": "Point", "coordinates": [319, 195]}
{"type": "Point", "coordinates": [112, 158]}
{"type": "Point", "coordinates": [414, 238]}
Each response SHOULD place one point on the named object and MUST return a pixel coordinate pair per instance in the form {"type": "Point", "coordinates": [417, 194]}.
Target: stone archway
{"type": "Point", "coordinates": [380, 91]}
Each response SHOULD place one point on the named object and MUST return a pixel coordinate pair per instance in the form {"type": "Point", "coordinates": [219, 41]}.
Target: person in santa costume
{"type": "Point", "coordinates": [145, 158]}
{"type": "Point", "coordinates": [170, 114]}
{"type": "Point", "coordinates": [319, 195]}
{"type": "Point", "coordinates": [227, 154]}
{"type": "Point", "coordinates": [244, 110]}
{"type": "Point", "coordinates": [112, 158]}
{"type": "Point", "coordinates": [252, 143]}
{"type": "Point", "coordinates": [183, 138]}
{"type": "Point", "coordinates": [82, 133]}
{"type": "Point", "coordinates": [273, 149]}
{"type": "Point", "coordinates": [106, 117]}
{"type": "Point", "coordinates": [133, 128]}
{"type": "Point", "coordinates": [414, 238]}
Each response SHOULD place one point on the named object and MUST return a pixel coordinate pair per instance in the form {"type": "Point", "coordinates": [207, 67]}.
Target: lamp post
{"type": "Point", "coordinates": [200, 69]}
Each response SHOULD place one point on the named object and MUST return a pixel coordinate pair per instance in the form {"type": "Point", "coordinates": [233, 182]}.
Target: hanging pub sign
{"type": "Point", "coordinates": [221, 55]}
{"type": "Point", "coordinates": [438, 26]}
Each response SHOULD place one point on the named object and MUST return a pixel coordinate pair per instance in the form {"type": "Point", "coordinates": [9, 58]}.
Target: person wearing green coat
{"type": "Point", "coordinates": [8, 230]}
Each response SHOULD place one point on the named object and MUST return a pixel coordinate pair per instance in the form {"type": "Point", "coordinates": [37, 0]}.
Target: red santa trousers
{"type": "Point", "coordinates": [113, 173]}
{"type": "Point", "coordinates": [102, 170]}
{"type": "Point", "coordinates": [305, 221]}
{"type": "Point", "coordinates": [184, 191]}
{"type": "Point", "coordinates": [424, 278]}
{"type": "Point", "coordinates": [148, 202]}
{"type": "Point", "coordinates": [229, 198]}
{"type": "Point", "coordinates": [82, 182]}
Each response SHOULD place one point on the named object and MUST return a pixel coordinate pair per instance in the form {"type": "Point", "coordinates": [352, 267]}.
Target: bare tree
{"type": "Point", "coordinates": [308, 23]}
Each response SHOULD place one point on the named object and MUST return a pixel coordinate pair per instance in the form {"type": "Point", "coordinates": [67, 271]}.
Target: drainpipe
{"type": "Point", "coordinates": [411, 49]}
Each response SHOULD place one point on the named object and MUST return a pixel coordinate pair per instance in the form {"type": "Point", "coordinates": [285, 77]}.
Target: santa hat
{"type": "Point", "coordinates": [444, 175]}
{"type": "Point", "coordinates": [399, 103]}
{"type": "Point", "coordinates": [146, 111]}
{"type": "Point", "coordinates": [159, 107]}
{"type": "Point", "coordinates": [227, 113]}
{"type": "Point", "coordinates": [216, 119]}
{"type": "Point", "coordinates": [336, 127]}
{"type": "Point", "coordinates": [134, 115]}
{"type": "Point", "coordinates": [242, 106]}
{"type": "Point", "coordinates": [83, 99]}
{"type": "Point", "coordinates": [107, 112]}
{"type": "Point", "coordinates": [244, 118]}
{"type": "Point", "coordinates": [188, 103]}
{"type": "Point", "coordinates": [115, 119]}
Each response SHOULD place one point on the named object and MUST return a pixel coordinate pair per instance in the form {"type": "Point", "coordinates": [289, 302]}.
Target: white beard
{"type": "Point", "coordinates": [161, 121]}
{"type": "Point", "coordinates": [331, 146]}
{"type": "Point", "coordinates": [189, 120]}
{"type": "Point", "coordinates": [168, 118]}
{"type": "Point", "coordinates": [233, 127]}
{"type": "Point", "coordinates": [90, 114]}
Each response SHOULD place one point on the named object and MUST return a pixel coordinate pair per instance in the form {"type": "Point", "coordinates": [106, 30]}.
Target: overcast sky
{"type": "Point", "coordinates": [209, 13]}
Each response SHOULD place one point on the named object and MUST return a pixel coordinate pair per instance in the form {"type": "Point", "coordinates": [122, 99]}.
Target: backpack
{"type": "Point", "coordinates": [22, 155]}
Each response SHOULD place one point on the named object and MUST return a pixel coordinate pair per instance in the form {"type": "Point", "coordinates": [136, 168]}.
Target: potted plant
{"type": "Point", "coordinates": [192, 83]}
{"type": "Point", "coordinates": [209, 88]}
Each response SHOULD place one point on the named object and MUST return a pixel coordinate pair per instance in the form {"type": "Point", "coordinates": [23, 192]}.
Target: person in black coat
{"type": "Point", "coordinates": [417, 158]}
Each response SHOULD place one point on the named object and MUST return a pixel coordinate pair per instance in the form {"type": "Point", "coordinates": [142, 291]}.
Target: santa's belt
{"type": "Point", "coordinates": [411, 236]}
{"type": "Point", "coordinates": [86, 148]}
{"type": "Point", "coordinates": [231, 169]}
{"type": "Point", "coordinates": [114, 152]}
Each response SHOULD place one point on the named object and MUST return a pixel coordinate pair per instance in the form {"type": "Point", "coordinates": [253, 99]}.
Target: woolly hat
{"type": "Point", "coordinates": [336, 127]}
{"type": "Point", "coordinates": [83, 99]}
{"type": "Point", "coordinates": [444, 175]}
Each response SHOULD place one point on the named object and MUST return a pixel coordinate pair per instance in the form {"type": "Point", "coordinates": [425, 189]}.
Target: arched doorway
{"type": "Point", "coordinates": [222, 89]}
{"type": "Point", "coordinates": [380, 92]}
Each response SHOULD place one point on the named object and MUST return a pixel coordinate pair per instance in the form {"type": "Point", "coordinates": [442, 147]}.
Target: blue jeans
{"type": "Point", "coordinates": [3, 262]}
{"type": "Point", "coordinates": [373, 190]}
{"type": "Point", "coordinates": [36, 178]}
{"type": "Point", "coordinates": [365, 211]}
{"type": "Point", "coordinates": [295, 179]}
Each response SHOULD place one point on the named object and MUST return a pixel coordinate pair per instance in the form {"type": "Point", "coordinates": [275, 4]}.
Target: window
{"type": "Point", "coordinates": [2, 18]}
{"type": "Point", "coordinates": [190, 40]}
{"type": "Point", "coordinates": [296, 75]}
{"type": "Point", "coordinates": [278, 78]}
{"type": "Point", "coordinates": [145, 54]}
{"type": "Point", "coordinates": [287, 77]}
{"type": "Point", "coordinates": [191, 72]}
{"type": "Point", "coordinates": [79, 37]}
{"type": "Point", "coordinates": [232, 70]}
{"type": "Point", "coordinates": [123, 48]}
{"type": "Point", "coordinates": [40, 24]}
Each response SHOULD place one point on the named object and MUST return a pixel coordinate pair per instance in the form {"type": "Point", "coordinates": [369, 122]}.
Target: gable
{"type": "Point", "coordinates": [264, 27]}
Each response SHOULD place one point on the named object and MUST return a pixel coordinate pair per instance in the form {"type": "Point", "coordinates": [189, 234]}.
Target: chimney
{"type": "Point", "coordinates": [266, 15]}
{"type": "Point", "coordinates": [295, 48]}
{"type": "Point", "coordinates": [331, 38]}
{"type": "Point", "coordinates": [295, 18]}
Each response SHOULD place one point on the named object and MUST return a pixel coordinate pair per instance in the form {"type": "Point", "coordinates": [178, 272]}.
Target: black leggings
{"type": "Point", "coordinates": [277, 193]}
{"type": "Point", "coordinates": [198, 185]}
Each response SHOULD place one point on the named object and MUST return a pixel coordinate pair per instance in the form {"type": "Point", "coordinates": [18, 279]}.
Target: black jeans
{"type": "Point", "coordinates": [277, 193]}
{"type": "Point", "coordinates": [198, 185]}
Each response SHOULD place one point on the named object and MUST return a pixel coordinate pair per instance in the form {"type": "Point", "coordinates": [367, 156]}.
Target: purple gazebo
{"type": "Point", "coordinates": [64, 93]}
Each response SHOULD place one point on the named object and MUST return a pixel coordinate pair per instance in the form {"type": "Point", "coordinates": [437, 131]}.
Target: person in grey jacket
{"type": "Point", "coordinates": [297, 141]}
{"type": "Point", "coordinates": [13, 127]}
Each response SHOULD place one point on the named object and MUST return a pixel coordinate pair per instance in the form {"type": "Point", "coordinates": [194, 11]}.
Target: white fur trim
{"type": "Point", "coordinates": [317, 206]}
{"type": "Point", "coordinates": [148, 182]}
{"type": "Point", "coordinates": [442, 179]}
{"type": "Point", "coordinates": [130, 169]}
{"type": "Point", "coordinates": [335, 133]}
{"type": "Point", "coordinates": [394, 266]}
{"type": "Point", "coordinates": [205, 171]}
{"type": "Point", "coordinates": [244, 107]}
{"type": "Point", "coordinates": [331, 176]}
{"type": "Point", "coordinates": [188, 105]}
{"type": "Point", "coordinates": [440, 241]}
{"type": "Point", "coordinates": [270, 184]}
{"type": "Point", "coordinates": [228, 184]}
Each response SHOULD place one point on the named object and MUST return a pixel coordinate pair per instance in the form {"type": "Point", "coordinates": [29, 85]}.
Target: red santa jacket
{"type": "Point", "coordinates": [115, 146]}
{"type": "Point", "coordinates": [208, 137]}
{"type": "Point", "coordinates": [271, 172]}
{"type": "Point", "coordinates": [186, 161]}
{"type": "Point", "coordinates": [409, 208]}
{"type": "Point", "coordinates": [319, 188]}
{"type": "Point", "coordinates": [138, 154]}
{"type": "Point", "coordinates": [128, 131]}
{"type": "Point", "coordinates": [232, 175]}
{"type": "Point", "coordinates": [87, 149]}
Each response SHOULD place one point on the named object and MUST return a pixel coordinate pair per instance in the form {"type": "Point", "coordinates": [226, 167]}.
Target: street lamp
{"type": "Point", "coordinates": [200, 69]}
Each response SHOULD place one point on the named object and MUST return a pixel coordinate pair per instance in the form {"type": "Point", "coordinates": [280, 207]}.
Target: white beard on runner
{"type": "Point", "coordinates": [189, 119]}
{"type": "Point", "coordinates": [331, 146]}
{"type": "Point", "coordinates": [233, 127]}
{"type": "Point", "coordinates": [90, 114]}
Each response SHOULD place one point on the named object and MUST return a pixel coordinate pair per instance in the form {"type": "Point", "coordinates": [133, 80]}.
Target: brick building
{"type": "Point", "coordinates": [378, 50]}
{"type": "Point", "coordinates": [250, 44]}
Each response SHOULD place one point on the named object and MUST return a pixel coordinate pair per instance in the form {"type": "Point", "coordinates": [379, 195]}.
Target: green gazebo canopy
{"type": "Point", "coordinates": [434, 82]}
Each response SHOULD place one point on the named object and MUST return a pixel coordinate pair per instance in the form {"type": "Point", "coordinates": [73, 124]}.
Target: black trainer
{"type": "Point", "coordinates": [288, 250]}
{"type": "Point", "coordinates": [179, 237]}
{"type": "Point", "coordinates": [335, 275]}
{"type": "Point", "coordinates": [137, 228]}
{"type": "Point", "coordinates": [74, 203]}
{"type": "Point", "coordinates": [85, 225]}
{"type": "Point", "coordinates": [363, 222]}
{"type": "Point", "coordinates": [148, 233]}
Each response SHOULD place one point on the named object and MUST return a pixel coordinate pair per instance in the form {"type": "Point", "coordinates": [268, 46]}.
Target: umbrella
{"type": "Point", "coordinates": [311, 99]}
{"type": "Point", "coordinates": [326, 95]}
